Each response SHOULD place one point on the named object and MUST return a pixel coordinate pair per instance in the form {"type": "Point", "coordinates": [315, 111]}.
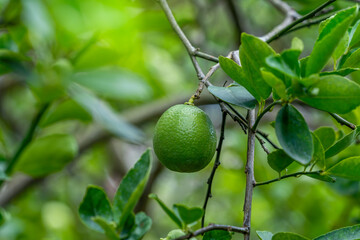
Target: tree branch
{"type": "Point", "coordinates": [212, 227]}
{"type": "Point", "coordinates": [288, 23]}
{"type": "Point", "coordinates": [267, 109]}
{"type": "Point", "coordinates": [343, 121]}
{"type": "Point", "coordinates": [236, 19]}
{"type": "Point", "coordinates": [298, 174]}
{"type": "Point", "coordinates": [216, 165]}
{"type": "Point", "coordinates": [194, 52]}
{"type": "Point", "coordinates": [249, 171]}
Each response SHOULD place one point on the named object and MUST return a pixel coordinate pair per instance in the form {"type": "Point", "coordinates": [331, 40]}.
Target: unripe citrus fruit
{"type": "Point", "coordinates": [184, 139]}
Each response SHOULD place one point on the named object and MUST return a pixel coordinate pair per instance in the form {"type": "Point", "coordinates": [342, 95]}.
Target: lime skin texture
{"type": "Point", "coordinates": [184, 139]}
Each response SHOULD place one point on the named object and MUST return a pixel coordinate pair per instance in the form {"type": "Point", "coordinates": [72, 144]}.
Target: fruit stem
{"type": "Point", "coordinates": [191, 101]}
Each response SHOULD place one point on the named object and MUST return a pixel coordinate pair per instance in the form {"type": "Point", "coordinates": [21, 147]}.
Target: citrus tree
{"type": "Point", "coordinates": [261, 81]}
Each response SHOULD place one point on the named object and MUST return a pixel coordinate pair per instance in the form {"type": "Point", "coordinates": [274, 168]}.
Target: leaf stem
{"type": "Point", "coordinates": [212, 227]}
{"type": "Point", "coordinates": [267, 109]}
{"type": "Point", "coordinates": [297, 174]}
{"type": "Point", "coordinates": [27, 139]}
{"type": "Point", "coordinates": [343, 121]}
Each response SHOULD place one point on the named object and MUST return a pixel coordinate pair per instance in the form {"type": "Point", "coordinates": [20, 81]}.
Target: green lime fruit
{"type": "Point", "coordinates": [184, 139]}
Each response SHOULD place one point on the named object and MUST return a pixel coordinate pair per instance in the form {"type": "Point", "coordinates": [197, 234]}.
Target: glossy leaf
{"type": "Point", "coordinates": [341, 72]}
{"type": "Point", "coordinates": [143, 224]}
{"type": "Point", "coordinates": [342, 144]}
{"type": "Point", "coordinates": [341, 47]}
{"type": "Point", "coordinates": [348, 233]}
{"type": "Point", "coordinates": [131, 189]}
{"type": "Point", "coordinates": [253, 53]}
{"type": "Point", "coordinates": [319, 153]}
{"type": "Point", "coordinates": [108, 228]}
{"type": "Point", "coordinates": [330, 35]}
{"type": "Point", "coordinates": [167, 210]}
{"type": "Point", "coordinates": [294, 135]}
{"type": "Point", "coordinates": [188, 215]}
{"type": "Point", "coordinates": [264, 235]}
{"type": "Point", "coordinates": [279, 160]}
{"type": "Point", "coordinates": [333, 93]}
{"type": "Point", "coordinates": [236, 95]}
{"type": "Point", "coordinates": [287, 63]}
{"type": "Point", "coordinates": [47, 155]}
{"type": "Point", "coordinates": [353, 60]}
{"type": "Point", "coordinates": [217, 235]}
{"type": "Point", "coordinates": [320, 177]}
{"type": "Point", "coordinates": [278, 86]}
{"type": "Point", "coordinates": [348, 168]}
{"type": "Point", "coordinates": [236, 73]}
{"type": "Point", "coordinates": [326, 135]}
{"type": "Point", "coordinates": [67, 110]}
{"type": "Point", "coordinates": [288, 236]}
{"type": "Point", "coordinates": [95, 205]}
{"type": "Point", "coordinates": [354, 35]}
{"type": "Point", "coordinates": [105, 116]}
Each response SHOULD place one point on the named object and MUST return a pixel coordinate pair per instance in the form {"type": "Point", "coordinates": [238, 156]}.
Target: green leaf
{"type": "Point", "coordinates": [297, 44]}
{"type": "Point", "coordinates": [294, 135]}
{"type": "Point", "coordinates": [286, 63]}
{"type": "Point", "coordinates": [341, 47]}
{"type": "Point", "coordinates": [352, 61]}
{"type": "Point", "coordinates": [264, 235]}
{"type": "Point", "coordinates": [236, 73]}
{"type": "Point", "coordinates": [95, 204]}
{"type": "Point", "coordinates": [108, 228]}
{"type": "Point", "coordinates": [288, 236]}
{"type": "Point", "coordinates": [167, 210]}
{"type": "Point", "coordinates": [342, 144]}
{"type": "Point", "coordinates": [131, 189]}
{"type": "Point", "coordinates": [188, 215]}
{"type": "Point", "coordinates": [236, 95]}
{"type": "Point", "coordinates": [348, 233]}
{"type": "Point", "coordinates": [278, 86]}
{"type": "Point", "coordinates": [143, 224]}
{"type": "Point", "coordinates": [104, 115]}
{"type": "Point", "coordinates": [115, 84]}
{"type": "Point", "coordinates": [253, 53]}
{"type": "Point", "coordinates": [330, 36]}
{"type": "Point", "coordinates": [348, 168]}
{"type": "Point", "coordinates": [279, 160]}
{"type": "Point", "coordinates": [47, 155]}
{"type": "Point", "coordinates": [320, 177]}
{"type": "Point", "coordinates": [326, 135]}
{"type": "Point", "coordinates": [3, 216]}
{"type": "Point", "coordinates": [354, 35]}
{"type": "Point", "coordinates": [217, 235]}
{"type": "Point", "coordinates": [342, 72]}
{"type": "Point", "coordinates": [333, 93]}
{"type": "Point", "coordinates": [66, 110]}
{"type": "Point", "coordinates": [319, 153]}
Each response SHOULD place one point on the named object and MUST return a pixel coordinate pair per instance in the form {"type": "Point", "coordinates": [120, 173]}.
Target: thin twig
{"type": "Point", "coordinates": [216, 165]}
{"type": "Point", "coordinates": [267, 109]}
{"type": "Point", "coordinates": [285, 8]}
{"type": "Point", "coordinates": [212, 227]}
{"type": "Point", "coordinates": [194, 52]}
{"type": "Point", "coordinates": [243, 122]}
{"type": "Point", "coordinates": [281, 29]}
{"type": "Point", "coordinates": [343, 121]}
{"type": "Point", "coordinates": [27, 139]}
{"type": "Point", "coordinates": [249, 171]}
{"type": "Point", "coordinates": [236, 19]}
{"type": "Point", "coordinates": [297, 174]}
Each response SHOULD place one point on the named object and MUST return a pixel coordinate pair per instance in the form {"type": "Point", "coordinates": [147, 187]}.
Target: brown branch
{"type": "Point", "coordinates": [249, 171]}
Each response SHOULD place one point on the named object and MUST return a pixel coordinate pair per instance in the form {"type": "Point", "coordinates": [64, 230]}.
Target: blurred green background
{"type": "Point", "coordinates": [126, 53]}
